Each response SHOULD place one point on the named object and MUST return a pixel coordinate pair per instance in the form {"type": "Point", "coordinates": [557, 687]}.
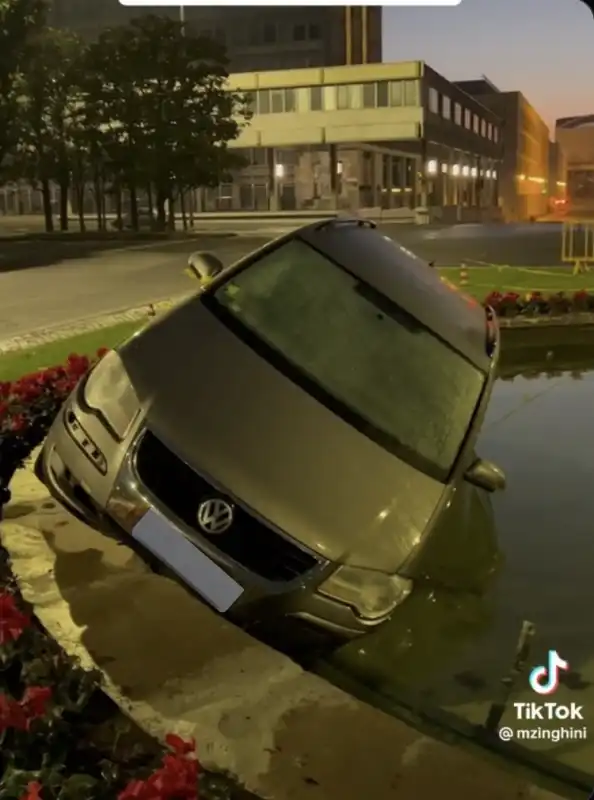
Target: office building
{"type": "Point", "coordinates": [576, 136]}
{"type": "Point", "coordinates": [391, 136]}
{"type": "Point", "coordinates": [523, 187]}
{"type": "Point", "coordinates": [257, 39]}
{"type": "Point", "coordinates": [557, 182]}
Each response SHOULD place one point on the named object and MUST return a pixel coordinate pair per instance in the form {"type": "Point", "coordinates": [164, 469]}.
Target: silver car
{"type": "Point", "coordinates": [285, 441]}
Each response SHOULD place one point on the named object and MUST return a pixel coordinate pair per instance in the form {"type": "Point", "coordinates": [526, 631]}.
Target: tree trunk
{"type": "Point", "coordinates": [149, 199]}
{"type": "Point", "coordinates": [79, 191]}
{"type": "Point", "coordinates": [118, 201]}
{"type": "Point", "coordinates": [171, 212]}
{"type": "Point", "coordinates": [160, 201]}
{"type": "Point", "coordinates": [133, 206]}
{"type": "Point", "coordinates": [182, 208]}
{"type": "Point", "coordinates": [192, 199]}
{"type": "Point", "coordinates": [97, 192]}
{"type": "Point", "coordinates": [64, 187]}
{"type": "Point", "coordinates": [46, 198]}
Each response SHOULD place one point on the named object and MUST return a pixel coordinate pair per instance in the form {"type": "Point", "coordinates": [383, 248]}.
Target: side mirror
{"type": "Point", "coordinates": [486, 475]}
{"type": "Point", "coordinates": [204, 266]}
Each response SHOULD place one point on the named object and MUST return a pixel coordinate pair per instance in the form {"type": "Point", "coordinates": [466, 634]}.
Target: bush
{"type": "Point", "coordinates": [535, 304]}
{"type": "Point", "coordinates": [48, 715]}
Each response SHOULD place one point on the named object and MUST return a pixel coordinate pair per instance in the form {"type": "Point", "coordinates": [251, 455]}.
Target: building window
{"type": "Point", "coordinates": [348, 96]}
{"type": "Point", "coordinates": [383, 94]}
{"type": "Point", "coordinates": [314, 33]}
{"type": "Point", "coordinates": [483, 128]}
{"type": "Point", "coordinates": [369, 95]}
{"type": "Point", "coordinates": [251, 101]}
{"type": "Point", "coordinates": [457, 113]}
{"type": "Point", "coordinates": [299, 33]}
{"type": "Point", "coordinates": [433, 100]}
{"type": "Point", "coordinates": [446, 107]}
{"type": "Point", "coordinates": [489, 130]}
{"type": "Point", "coordinates": [276, 101]}
{"type": "Point", "coordinates": [269, 33]}
{"type": "Point", "coordinates": [475, 123]}
{"type": "Point", "coordinates": [316, 98]}
{"type": "Point", "coordinates": [495, 134]}
{"type": "Point", "coordinates": [411, 93]}
{"type": "Point", "coordinates": [396, 93]}
{"type": "Point", "coordinates": [467, 119]}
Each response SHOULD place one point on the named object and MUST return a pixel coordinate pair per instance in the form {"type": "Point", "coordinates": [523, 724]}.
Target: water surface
{"type": "Point", "coordinates": [528, 554]}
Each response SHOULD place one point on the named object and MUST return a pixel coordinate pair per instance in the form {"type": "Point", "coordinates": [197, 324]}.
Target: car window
{"type": "Point", "coordinates": [364, 356]}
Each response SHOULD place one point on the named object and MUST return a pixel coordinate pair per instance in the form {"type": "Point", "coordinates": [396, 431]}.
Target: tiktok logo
{"type": "Point", "coordinates": [545, 680]}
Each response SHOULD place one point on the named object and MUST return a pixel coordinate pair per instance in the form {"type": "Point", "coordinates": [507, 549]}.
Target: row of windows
{"type": "Point", "coordinates": [379, 94]}
{"type": "Point", "coordinates": [268, 33]}
{"type": "Point", "coordinates": [442, 104]}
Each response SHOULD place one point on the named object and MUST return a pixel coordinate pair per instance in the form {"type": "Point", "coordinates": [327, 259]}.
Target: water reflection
{"type": "Point", "coordinates": [524, 554]}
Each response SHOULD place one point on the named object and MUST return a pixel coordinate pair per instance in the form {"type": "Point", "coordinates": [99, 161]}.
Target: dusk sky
{"type": "Point", "coordinates": [543, 48]}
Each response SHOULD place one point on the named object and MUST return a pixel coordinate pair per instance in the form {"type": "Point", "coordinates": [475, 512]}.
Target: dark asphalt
{"type": "Point", "coordinates": [48, 283]}
{"type": "Point", "coordinates": [520, 245]}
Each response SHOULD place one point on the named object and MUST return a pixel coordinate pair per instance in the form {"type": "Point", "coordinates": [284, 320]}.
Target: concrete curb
{"type": "Point", "coordinates": [59, 332]}
{"type": "Point", "coordinates": [174, 665]}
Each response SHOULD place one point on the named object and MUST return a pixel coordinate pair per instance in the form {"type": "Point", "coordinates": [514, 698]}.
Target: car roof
{"type": "Point", "coordinates": [407, 280]}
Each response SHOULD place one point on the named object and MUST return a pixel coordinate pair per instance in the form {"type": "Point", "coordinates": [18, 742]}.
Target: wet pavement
{"type": "Point", "coordinates": [526, 554]}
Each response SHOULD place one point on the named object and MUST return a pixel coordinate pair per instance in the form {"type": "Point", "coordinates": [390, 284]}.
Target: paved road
{"type": "Point", "coordinates": [47, 283]}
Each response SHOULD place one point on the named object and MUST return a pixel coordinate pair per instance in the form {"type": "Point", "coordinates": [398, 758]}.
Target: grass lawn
{"type": "Point", "coordinates": [482, 280]}
{"type": "Point", "coordinates": [22, 362]}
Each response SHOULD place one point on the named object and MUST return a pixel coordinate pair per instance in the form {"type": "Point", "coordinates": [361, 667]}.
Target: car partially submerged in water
{"type": "Point", "coordinates": [286, 440]}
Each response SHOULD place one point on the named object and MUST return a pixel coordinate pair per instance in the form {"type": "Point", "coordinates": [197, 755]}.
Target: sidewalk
{"type": "Point", "coordinates": [175, 665]}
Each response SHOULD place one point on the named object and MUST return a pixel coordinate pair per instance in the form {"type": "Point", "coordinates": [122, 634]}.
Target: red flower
{"type": "Point", "coordinates": [33, 791]}
{"type": "Point", "coordinates": [103, 351]}
{"type": "Point", "coordinates": [34, 701]}
{"type": "Point", "coordinates": [5, 389]}
{"type": "Point", "coordinates": [77, 365]}
{"type": "Point", "coordinates": [180, 746]}
{"type": "Point", "coordinates": [12, 715]}
{"type": "Point", "coordinates": [18, 423]}
{"type": "Point", "coordinates": [3, 409]}
{"type": "Point", "coordinates": [176, 779]}
{"type": "Point", "coordinates": [12, 620]}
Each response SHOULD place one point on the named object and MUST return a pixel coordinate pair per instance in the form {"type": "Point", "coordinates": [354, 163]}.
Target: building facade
{"type": "Point", "coordinates": [557, 181]}
{"type": "Point", "coordinates": [524, 174]}
{"type": "Point", "coordinates": [364, 136]}
{"type": "Point", "coordinates": [576, 136]}
{"type": "Point", "coordinates": [257, 39]}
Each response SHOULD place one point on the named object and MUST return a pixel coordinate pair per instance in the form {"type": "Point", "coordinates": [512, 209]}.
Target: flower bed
{"type": "Point", "coordinates": [537, 304]}
{"type": "Point", "coordinates": [52, 715]}
{"type": "Point", "coordinates": [60, 736]}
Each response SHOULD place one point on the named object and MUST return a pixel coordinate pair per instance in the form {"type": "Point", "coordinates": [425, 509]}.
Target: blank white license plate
{"type": "Point", "coordinates": [166, 542]}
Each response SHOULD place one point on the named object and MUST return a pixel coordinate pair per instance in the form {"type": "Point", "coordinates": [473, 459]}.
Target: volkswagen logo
{"type": "Point", "coordinates": [215, 515]}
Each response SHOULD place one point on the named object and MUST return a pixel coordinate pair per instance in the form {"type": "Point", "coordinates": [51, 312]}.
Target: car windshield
{"type": "Point", "coordinates": [355, 351]}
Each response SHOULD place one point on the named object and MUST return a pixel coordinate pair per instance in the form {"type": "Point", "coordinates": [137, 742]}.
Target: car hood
{"type": "Point", "coordinates": [232, 416]}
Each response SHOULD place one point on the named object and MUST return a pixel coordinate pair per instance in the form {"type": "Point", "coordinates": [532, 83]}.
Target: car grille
{"type": "Point", "coordinates": [248, 541]}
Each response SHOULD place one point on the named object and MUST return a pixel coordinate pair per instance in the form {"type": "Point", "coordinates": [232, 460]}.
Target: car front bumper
{"type": "Point", "coordinates": [114, 501]}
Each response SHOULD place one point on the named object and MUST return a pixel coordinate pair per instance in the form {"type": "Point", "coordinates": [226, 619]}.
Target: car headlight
{"type": "Point", "coordinates": [372, 594]}
{"type": "Point", "coordinates": [109, 393]}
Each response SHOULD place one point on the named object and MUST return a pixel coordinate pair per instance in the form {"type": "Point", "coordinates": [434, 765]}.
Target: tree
{"type": "Point", "coordinates": [49, 113]}
{"type": "Point", "coordinates": [20, 20]}
{"type": "Point", "coordinates": [166, 113]}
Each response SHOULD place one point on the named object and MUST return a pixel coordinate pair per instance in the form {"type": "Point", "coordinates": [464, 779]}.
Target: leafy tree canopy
{"type": "Point", "coordinates": [19, 21]}
{"type": "Point", "coordinates": [163, 105]}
